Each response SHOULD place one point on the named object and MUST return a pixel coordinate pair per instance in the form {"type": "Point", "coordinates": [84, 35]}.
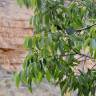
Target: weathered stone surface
{"type": "Point", "coordinates": [14, 26]}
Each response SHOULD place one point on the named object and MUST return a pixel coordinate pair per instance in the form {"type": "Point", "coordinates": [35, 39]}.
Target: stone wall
{"type": "Point", "coordinates": [14, 26]}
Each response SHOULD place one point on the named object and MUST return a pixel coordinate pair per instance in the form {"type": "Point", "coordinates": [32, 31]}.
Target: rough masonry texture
{"type": "Point", "coordinates": [14, 26]}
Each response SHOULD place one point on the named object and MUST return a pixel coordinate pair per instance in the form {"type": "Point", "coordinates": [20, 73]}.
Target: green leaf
{"type": "Point", "coordinates": [17, 79]}
{"type": "Point", "coordinates": [63, 86]}
{"type": "Point", "coordinates": [39, 76]}
{"type": "Point", "coordinates": [28, 43]}
{"type": "Point", "coordinates": [93, 43]}
{"type": "Point", "coordinates": [48, 75]}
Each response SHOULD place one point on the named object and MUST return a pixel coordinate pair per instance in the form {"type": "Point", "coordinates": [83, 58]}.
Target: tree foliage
{"type": "Point", "coordinates": [61, 31]}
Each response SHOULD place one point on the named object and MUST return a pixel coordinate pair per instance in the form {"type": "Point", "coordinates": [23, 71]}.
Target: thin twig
{"type": "Point", "coordinates": [93, 66]}
{"type": "Point", "coordinates": [83, 55]}
{"type": "Point", "coordinates": [84, 60]}
{"type": "Point", "coordinates": [64, 55]}
{"type": "Point", "coordinates": [78, 30]}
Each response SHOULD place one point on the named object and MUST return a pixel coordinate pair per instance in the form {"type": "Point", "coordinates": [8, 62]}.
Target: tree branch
{"type": "Point", "coordinates": [65, 55]}
{"type": "Point", "coordinates": [83, 55]}
{"type": "Point", "coordinates": [78, 30]}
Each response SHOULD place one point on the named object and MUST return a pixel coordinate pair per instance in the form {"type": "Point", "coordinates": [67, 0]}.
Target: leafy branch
{"type": "Point", "coordinates": [46, 59]}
